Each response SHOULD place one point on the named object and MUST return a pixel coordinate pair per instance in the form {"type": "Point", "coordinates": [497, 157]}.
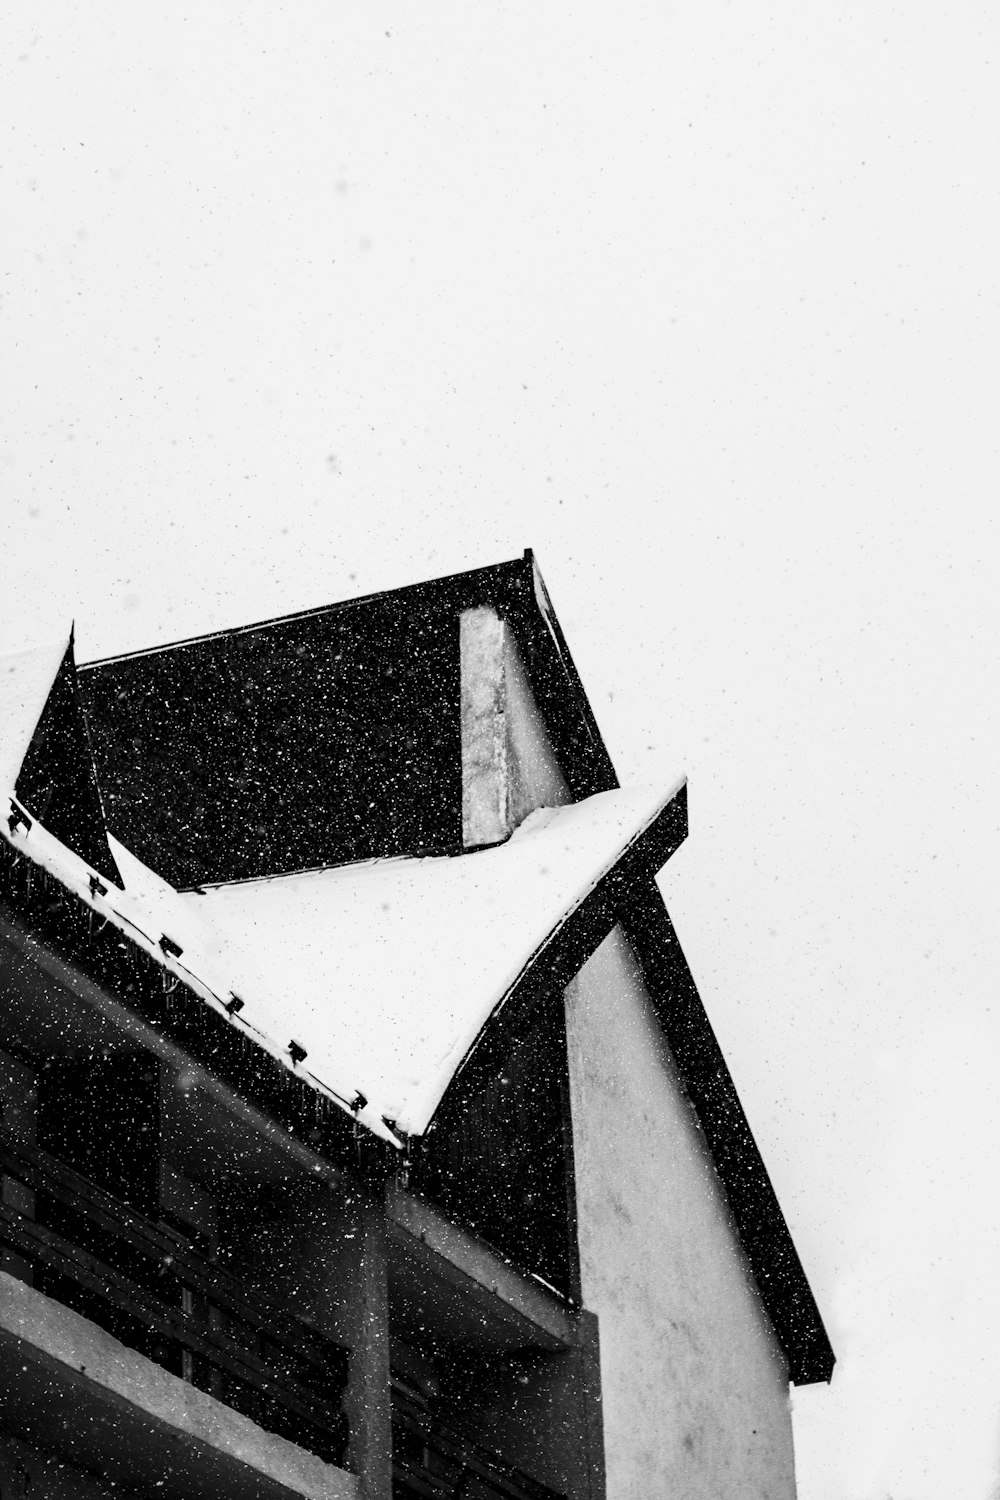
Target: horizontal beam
{"type": "Point", "coordinates": [523, 1313]}
{"type": "Point", "coordinates": [73, 1390]}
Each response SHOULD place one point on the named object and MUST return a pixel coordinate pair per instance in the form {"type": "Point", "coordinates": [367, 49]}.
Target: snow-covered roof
{"type": "Point", "coordinates": [371, 980]}
{"type": "Point", "coordinates": [323, 737]}
{"type": "Point", "coordinates": [383, 973]}
{"type": "Point", "coordinates": [386, 972]}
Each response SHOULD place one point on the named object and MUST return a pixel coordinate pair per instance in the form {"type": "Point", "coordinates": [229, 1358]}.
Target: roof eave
{"type": "Point", "coordinates": [753, 1203]}
{"type": "Point", "coordinates": [559, 693]}
{"type": "Point", "coordinates": [628, 894]}
{"type": "Point", "coordinates": [572, 940]}
{"type": "Point", "coordinates": [52, 916]}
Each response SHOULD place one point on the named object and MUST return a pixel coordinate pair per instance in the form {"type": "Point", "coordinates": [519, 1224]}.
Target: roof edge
{"type": "Point", "coordinates": [466, 589]}
{"type": "Point", "coordinates": [757, 1215]}
{"type": "Point", "coordinates": [571, 942]}
{"type": "Point", "coordinates": [627, 894]}
{"type": "Point", "coordinates": [52, 914]}
{"type": "Point", "coordinates": [559, 693]}
{"type": "Point", "coordinates": [515, 588]}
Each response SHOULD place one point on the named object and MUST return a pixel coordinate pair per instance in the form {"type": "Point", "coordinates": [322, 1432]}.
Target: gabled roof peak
{"type": "Point", "coordinates": [45, 754]}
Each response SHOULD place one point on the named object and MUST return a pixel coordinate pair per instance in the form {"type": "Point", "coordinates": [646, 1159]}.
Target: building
{"type": "Point", "coordinates": [363, 1132]}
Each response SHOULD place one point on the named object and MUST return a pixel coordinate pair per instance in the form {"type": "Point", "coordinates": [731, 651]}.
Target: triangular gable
{"type": "Point", "coordinates": [56, 781]}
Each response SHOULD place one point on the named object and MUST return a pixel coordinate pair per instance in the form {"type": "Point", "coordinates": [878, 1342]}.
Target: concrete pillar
{"type": "Point", "coordinates": [509, 766]}
{"type": "Point", "coordinates": [367, 1400]}
{"type": "Point", "coordinates": [484, 736]}
{"type": "Point", "coordinates": [325, 1257]}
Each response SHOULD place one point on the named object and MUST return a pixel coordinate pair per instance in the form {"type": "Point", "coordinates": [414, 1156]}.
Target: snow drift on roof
{"type": "Point", "coordinates": [386, 972]}
{"type": "Point", "coordinates": [370, 981]}
{"type": "Point", "coordinates": [26, 679]}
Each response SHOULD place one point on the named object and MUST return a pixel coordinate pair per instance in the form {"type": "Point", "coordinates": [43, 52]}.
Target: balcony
{"type": "Point", "coordinates": [194, 1282]}
{"type": "Point", "coordinates": [152, 1288]}
{"type": "Point", "coordinates": [433, 1458]}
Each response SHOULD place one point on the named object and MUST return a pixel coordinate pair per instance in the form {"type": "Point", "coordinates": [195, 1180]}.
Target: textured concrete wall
{"type": "Point", "coordinates": [508, 764]}
{"type": "Point", "coordinates": [694, 1384]}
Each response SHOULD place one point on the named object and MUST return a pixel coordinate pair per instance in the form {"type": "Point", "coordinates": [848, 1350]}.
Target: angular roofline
{"type": "Point", "coordinates": [572, 941]}
{"type": "Point", "coordinates": [469, 588]}
{"type": "Point", "coordinates": [57, 779]}
{"type": "Point", "coordinates": [753, 1203]}
{"type": "Point", "coordinates": [515, 589]}
{"type": "Point", "coordinates": [628, 896]}
{"type": "Point", "coordinates": [39, 910]}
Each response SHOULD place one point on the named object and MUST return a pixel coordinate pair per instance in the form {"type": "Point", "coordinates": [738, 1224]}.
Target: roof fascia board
{"type": "Point", "coordinates": [757, 1215]}
{"type": "Point", "coordinates": [628, 895]}
{"type": "Point", "coordinates": [555, 962]}
{"type": "Point", "coordinates": [54, 918]}
{"type": "Point", "coordinates": [459, 590]}
{"type": "Point", "coordinates": [513, 589]}
{"type": "Point", "coordinates": [580, 749]}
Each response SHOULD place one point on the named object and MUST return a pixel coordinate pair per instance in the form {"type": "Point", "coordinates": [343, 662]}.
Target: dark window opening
{"type": "Point", "coordinates": [499, 1158]}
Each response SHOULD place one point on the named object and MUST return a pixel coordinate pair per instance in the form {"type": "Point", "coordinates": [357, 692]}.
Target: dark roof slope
{"type": "Point", "coordinates": [629, 895]}
{"type": "Point", "coordinates": [780, 1279]}
{"type": "Point", "coordinates": [57, 780]}
{"type": "Point", "coordinates": [320, 738]}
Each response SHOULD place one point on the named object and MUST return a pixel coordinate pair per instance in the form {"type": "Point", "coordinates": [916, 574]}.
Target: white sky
{"type": "Point", "coordinates": [304, 301]}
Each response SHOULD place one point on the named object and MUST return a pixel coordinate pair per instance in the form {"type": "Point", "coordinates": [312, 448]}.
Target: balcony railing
{"type": "Point", "coordinates": [150, 1287]}
{"type": "Point", "coordinates": [432, 1457]}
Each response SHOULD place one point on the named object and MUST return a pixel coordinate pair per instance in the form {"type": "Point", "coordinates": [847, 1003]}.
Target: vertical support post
{"type": "Point", "coordinates": [323, 1256]}
{"type": "Point", "coordinates": [588, 1355]}
{"type": "Point", "coordinates": [367, 1399]}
